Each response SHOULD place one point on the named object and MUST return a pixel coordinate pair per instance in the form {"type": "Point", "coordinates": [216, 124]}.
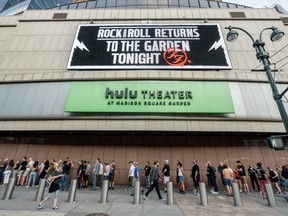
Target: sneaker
{"type": "Point", "coordinates": [213, 192]}
{"type": "Point", "coordinates": [145, 198]}
{"type": "Point", "coordinates": [112, 188]}
{"type": "Point", "coordinates": [183, 192]}
{"type": "Point", "coordinates": [165, 191]}
{"type": "Point", "coordinates": [240, 191]}
{"type": "Point", "coordinates": [27, 186]}
{"type": "Point", "coordinates": [132, 194]}
{"type": "Point", "coordinates": [197, 194]}
{"type": "Point", "coordinates": [40, 206]}
{"type": "Point", "coordinates": [55, 207]}
{"type": "Point", "coordinates": [162, 199]}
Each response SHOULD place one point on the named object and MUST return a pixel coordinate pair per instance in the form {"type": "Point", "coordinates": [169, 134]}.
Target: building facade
{"type": "Point", "coordinates": [65, 94]}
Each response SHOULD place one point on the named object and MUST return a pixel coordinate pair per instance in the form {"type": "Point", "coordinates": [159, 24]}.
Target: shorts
{"type": "Point", "coordinates": [196, 183]}
{"type": "Point", "coordinates": [243, 179]}
{"type": "Point", "coordinates": [181, 178]}
{"type": "Point", "coordinates": [227, 182]}
{"type": "Point", "coordinates": [130, 181]}
{"type": "Point", "coordinates": [20, 173]}
{"type": "Point", "coordinates": [166, 179]}
{"type": "Point", "coordinates": [26, 173]}
{"type": "Point", "coordinates": [263, 182]}
{"type": "Point", "coordinates": [85, 177]}
{"type": "Point", "coordinates": [111, 177]}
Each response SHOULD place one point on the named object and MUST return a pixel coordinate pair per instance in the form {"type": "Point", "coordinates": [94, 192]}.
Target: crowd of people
{"type": "Point", "coordinates": [57, 176]}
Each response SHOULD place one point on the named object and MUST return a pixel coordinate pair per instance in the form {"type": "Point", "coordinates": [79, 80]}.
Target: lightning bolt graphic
{"type": "Point", "coordinates": [80, 45]}
{"type": "Point", "coordinates": [216, 45]}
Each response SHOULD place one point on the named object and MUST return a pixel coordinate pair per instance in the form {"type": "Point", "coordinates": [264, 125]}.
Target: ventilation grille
{"type": "Point", "coordinates": [285, 20]}
{"type": "Point", "coordinates": [237, 14]}
{"type": "Point", "coordinates": [59, 16]}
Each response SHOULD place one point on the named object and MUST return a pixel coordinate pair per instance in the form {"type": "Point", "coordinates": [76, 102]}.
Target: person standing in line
{"type": "Point", "coordinates": [3, 167]}
{"type": "Point", "coordinates": [262, 178]}
{"type": "Point", "coordinates": [227, 176]}
{"type": "Point", "coordinates": [178, 185]}
{"type": "Point", "coordinates": [21, 170]}
{"type": "Point", "coordinates": [136, 176]}
{"type": "Point", "coordinates": [112, 175]}
{"type": "Point", "coordinates": [87, 174]}
{"type": "Point", "coordinates": [7, 172]}
{"type": "Point", "coordinates": [100, 175]}
{"type": "Point", "coordinates": [16, 169]}
{"type": "Point", "coordinates": [285, 178]}
{"type": "Point", "coordinates": [281, 179]}
{"type": "Point", "coordinates": [67, 165]}
{"type": "Point", "coordinates": [44, 171]}
{"type": "Point", "coordinates": [79, 173]}
{"type": "Point", "coordinates": [166, 174]}
{"type": "Point", "coordinates": [243, 179]}
{"type": "Point", "coordinates": [211, 172]}
{"type": "Point", "coordinates": [195, 175]}
{"type": "Point", "coordinates": [83, 173]}
{"type": "Point", "coordinates": [33, 174]}
{"type": "Point", "coordinates": [237, 179]}
{"type": "Point", "coordinates": [147, 171]}
{"type": "Point", "coordinates": [130, 176]}
{"type": "Point", "coordinates": [220, 171]}
{"type": "Point", "coordinates": [181, 178]}
{"type": "Point", "coordinates": [253, 178]}
{"type": "Point", "coordinates": [106, 171]}
{"type": "Point", "coordinates": [27, 171]}
{"type": "Point", "coordinates": [54, 188]}
{"type": "Point", "coordinates": [95, 172]}
{"type": "Point", "coordinates": [154, 182]}
{"type": "Point", "coordinates": [273, 176]}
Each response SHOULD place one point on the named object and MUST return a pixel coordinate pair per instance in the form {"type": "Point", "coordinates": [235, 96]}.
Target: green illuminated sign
{"type": "Point", "coordinates": [149, 97]}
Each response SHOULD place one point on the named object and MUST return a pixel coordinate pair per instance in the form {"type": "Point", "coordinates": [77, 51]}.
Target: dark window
{"type": "Point", "coordinates": [232, 5]}
{"type": "Point", "coordinates": [91, 4]}
{"type": "Point", "coordinates": [111, 3]}
{"type": "Point", "coordinates": [204, 4]}
{"type": "Point", "coordinates": [72, 6]}
{"type": "Point", "coordinates": [213, 4]}
{"type": "Point", "coordinates": [82, 5]}
{"type": "Point", "coordinates": [101, 4]}
{"type": "Point", "coordinates": [183, 3]}
{"type": "Point", "coordinates": [194, 3]}
{"type": "Point", "coordinates": [223, 5]}
{"type": "Point", "coordinates": [59, 16]}
{"type": "Point", "coordinates": [121, 2]}
{"type": "Point", "coordinates": [237, 14]}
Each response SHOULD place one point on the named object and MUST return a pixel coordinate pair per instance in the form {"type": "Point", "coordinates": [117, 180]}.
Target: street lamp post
{"type": "Point", "coordinates": [263, 56]}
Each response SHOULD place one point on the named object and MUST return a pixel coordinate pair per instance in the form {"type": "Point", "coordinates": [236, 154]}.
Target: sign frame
{"type": "Point", "coordinates": [220, 43]}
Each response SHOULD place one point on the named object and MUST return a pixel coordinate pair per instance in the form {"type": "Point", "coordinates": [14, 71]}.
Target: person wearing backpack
{"type": "Point", "coordinates": [262, 178]}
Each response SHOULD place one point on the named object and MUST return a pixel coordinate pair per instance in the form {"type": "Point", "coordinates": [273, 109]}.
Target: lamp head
{"type": "Point", "coordinates": [276, 35]}
{"type": "Point", "coordinates": [232, 35]}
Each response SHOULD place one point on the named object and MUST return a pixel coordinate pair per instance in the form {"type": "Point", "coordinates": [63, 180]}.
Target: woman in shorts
{"type": "Point", "coordinates": [54, 188]}
{"type": "Point", "coordinates": [273, 176]}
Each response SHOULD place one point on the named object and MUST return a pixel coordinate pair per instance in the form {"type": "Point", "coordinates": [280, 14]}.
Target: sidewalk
{"type": "Point", "coordinates": [121, 203]}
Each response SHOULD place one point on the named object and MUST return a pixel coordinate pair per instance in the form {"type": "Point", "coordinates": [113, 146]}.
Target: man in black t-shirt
{"type": "Point", "coordinates": [22, 169]}
{"type": "Point", "coordinates": [166, 173]}
{"type": "Point", "coordinates": [66, 171]}
{"type": "Point", "coordinates": [80, 173]}
{"type": "Point", "coordinates": [195, 175]}
{"type": "Point", "coordinates": [242, 172]}
{"type": "Point", "coordinates": [147, 171]}
{"type": "Point", "coordinates": [211, 173]}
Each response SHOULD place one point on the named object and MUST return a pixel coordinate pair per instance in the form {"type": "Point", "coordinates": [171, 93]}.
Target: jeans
{"type": "Point", "coordinates": [32, 178]}
{"type": "Point", "coordinates": [93, 181]}
{"type": "Point", "coordinates": [1, 174]}
{"type": "Point", "coordinates": [213, 183]}
{"type": "Point", "coordinates": [156, 186]}
{"type": "Point", "coordinates": [147, 180]}
{"type": "Point", "coordinates": [65, 182]}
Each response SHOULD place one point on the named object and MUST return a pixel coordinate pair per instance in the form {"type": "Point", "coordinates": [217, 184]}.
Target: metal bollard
{"type": "Point", "coordinates": [203, 194]}
{"type": "Point", "coordinates": [9, 189]}
{"type": "Point", "coordinates": [104, 192]}
{"type": "Point", "coordinates": [236, 195]}
{"type": "Point", "coordinates": [40, 190]}
{"type": "Point", "coordinates": [170, 193]}
{"type": "Point", "coordinates": [136, 199]}
{"type": "Point", "coordinates": [270, 195]}
{"type": "Point", "coordinates": [72, 191]}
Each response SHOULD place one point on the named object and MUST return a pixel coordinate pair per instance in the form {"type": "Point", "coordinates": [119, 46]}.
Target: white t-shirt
{"type": "Point", "coordinates": [101, 169]}
{"type": "Point", "coordinates": [180, 172]}
{"type": "Point", "coordinates": [131, 171]}
{"type": "Point", "coordinates": [107, 170]}
{"type": "Point", "coordinates": [30, 164]}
